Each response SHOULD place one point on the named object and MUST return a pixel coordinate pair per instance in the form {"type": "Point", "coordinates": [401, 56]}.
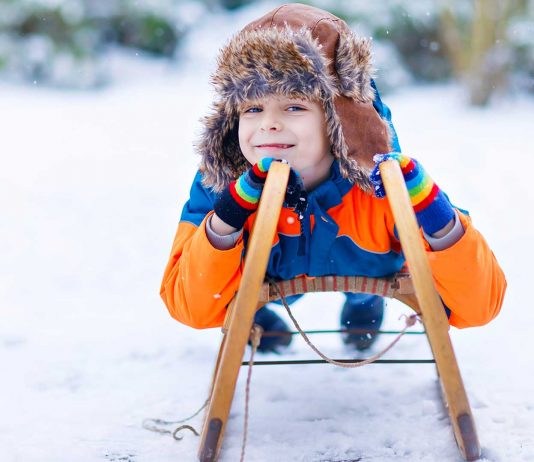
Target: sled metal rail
{"type": "Point", "coordinates": [273, 333]}
{"type": "Point", "coordinates": [346, 361]}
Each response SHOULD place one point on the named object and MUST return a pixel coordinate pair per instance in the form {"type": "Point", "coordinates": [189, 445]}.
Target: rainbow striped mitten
{"type": "Point", "coordinates": [432, 208]}
{"type": "Point", "coordinates": [240, 198]}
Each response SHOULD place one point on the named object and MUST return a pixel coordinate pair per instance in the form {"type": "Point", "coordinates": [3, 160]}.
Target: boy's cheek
{"type": "Point", "coordinates": [249, 154]}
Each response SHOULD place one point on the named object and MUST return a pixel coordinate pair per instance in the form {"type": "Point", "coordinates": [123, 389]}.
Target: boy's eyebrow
{"type": "Point", "coordinates": [301, 101]}
{"type": "Point", "coordinates": [245, 104]}
{"type": "Point", "coordinates": [249, 103]}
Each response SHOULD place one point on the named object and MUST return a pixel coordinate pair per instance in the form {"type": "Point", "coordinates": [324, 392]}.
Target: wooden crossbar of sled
{"type": "Point", "coordinates": [416, 290]}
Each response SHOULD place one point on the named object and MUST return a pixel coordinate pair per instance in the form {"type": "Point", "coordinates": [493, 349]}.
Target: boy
{"type": "Point", "coordinates": [296, 85]}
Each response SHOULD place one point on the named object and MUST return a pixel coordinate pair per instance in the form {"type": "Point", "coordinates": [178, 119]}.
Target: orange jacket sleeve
{"type": "Point", "coordinates": [468, 278]}
{"type": "Point", "coordinates": [193, 292]}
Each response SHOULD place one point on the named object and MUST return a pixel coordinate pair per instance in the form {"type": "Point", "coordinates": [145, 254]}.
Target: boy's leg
{"type": "Point", "coordinates": [362, 311]}
{"type": "Point", "coordinates": [271, 322]}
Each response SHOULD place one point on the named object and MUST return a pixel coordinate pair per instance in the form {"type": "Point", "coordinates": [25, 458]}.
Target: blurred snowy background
{"type": "Point", "coordinates": [99, 107]}
{"type": "Point", "coordinates": [486, 44]}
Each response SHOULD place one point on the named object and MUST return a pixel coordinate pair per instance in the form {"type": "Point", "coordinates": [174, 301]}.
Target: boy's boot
{"type": "Point", "coordinates": [362, 311]}
{"type": "Point", "coordinates": [271, 322]}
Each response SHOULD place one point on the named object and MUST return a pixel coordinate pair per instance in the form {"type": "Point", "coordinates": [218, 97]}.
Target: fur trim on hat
{"type": "Point", "coordinates": [281, 61]}
{"type": "Point", "coordinates": [354, 68]}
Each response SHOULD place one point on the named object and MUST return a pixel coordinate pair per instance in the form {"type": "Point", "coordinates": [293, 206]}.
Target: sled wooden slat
{"type": "Point", "coordinates": [432, 309]}
{"type": "Point", "coordinates": [415, 290]}
{"type": "Point", "coordinates": [398, 286]}
{"type": "Point", "coordinates": [242, 312]}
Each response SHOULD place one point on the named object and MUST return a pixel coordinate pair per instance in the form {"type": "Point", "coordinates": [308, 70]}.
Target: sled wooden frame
{"type": "Point", "coordinates": [254, 293]}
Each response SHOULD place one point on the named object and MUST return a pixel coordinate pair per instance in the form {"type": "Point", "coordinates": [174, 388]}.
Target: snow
{"type": "Point", "coordinates": [91, 189]}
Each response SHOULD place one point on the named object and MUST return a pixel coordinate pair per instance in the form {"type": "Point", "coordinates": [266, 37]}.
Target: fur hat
{"type": "Point", "coordinates": [295, 51]}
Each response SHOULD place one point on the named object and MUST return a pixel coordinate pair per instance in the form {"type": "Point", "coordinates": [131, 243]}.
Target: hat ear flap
{"type": "Point", "coordinates": [222, 160]}
{"type": "Point", "coordinates": [353, 67]}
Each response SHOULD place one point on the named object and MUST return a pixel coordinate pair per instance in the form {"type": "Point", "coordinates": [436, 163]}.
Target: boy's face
{"type": "Point", "coordinates": [290, 129]}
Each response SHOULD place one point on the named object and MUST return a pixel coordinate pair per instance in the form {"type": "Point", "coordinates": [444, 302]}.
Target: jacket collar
{"type": "Point", "coordinates": [330, 192]}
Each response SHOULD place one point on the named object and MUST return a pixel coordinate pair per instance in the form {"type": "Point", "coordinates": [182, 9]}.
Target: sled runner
{"type": "Point", "coordinates": [415, 290]}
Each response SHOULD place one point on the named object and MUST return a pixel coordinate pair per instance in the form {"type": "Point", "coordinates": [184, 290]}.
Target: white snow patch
{"type": "Point", "coordinates": [91, 190]}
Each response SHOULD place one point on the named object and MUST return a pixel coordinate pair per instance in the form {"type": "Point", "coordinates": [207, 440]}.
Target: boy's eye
{"type": "Point", "coordinates": [295, 108]}
{"type": "Point", "coordinates": [252, 109]}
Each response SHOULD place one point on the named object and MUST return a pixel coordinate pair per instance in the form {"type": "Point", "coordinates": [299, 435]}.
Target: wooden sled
{"type": "Point", "coordinates": [417, 291]}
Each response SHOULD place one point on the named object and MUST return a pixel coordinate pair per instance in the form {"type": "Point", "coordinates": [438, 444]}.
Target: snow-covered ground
{"type": "Point", "coordinates": [91, 190]}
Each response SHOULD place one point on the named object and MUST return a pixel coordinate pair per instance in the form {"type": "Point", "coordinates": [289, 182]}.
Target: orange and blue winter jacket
{"type": "Point", "coordinates": [347, 232]}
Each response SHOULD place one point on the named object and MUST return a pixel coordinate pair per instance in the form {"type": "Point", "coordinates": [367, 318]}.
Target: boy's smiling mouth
{"type": "Point", "coordinates": [275, 146]}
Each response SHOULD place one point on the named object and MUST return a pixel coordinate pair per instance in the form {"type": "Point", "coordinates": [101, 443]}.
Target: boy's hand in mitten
{"type": "Point", "coordinates": [241, 197]}
{"type": "Point", "coordinates": [432, 208]}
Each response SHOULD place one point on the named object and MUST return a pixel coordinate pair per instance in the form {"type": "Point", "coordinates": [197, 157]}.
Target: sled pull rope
{"type": "Point", "coordinates": [255, 337]}
{"type": "Point", "coordinates": [153, 424]}
{"type": "Point", "coordinates": [410, 321]}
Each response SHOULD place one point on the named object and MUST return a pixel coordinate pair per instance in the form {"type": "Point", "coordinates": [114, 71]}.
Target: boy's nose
{"type": "Point", "coordinates": [270, 124]}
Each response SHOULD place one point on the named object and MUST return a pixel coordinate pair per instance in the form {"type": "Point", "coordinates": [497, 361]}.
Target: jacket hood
{"type": "Point", "coordinates": [295, 51]}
